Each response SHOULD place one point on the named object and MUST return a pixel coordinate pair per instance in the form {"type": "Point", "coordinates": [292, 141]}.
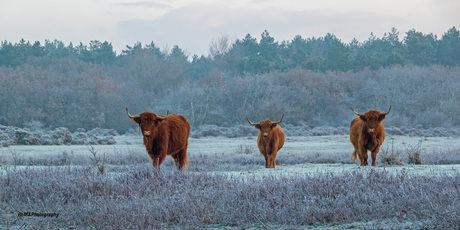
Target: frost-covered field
{"type": "Point", "coordinates": [314, 185]}
{"type": "Point", "coordinates": [299, 155]}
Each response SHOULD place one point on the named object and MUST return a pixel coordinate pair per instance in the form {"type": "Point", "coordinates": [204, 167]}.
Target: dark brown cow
{"type": "Point", "coordinates": [269, 140]}
{"type": "Point", "coordinates": [164, 135]}
{"type": "Point", "coordinates": [367, 134]}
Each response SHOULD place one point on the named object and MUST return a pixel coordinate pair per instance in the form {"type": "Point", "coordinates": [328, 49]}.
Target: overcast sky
{"type": "Point", "coordinates": [193, 24]}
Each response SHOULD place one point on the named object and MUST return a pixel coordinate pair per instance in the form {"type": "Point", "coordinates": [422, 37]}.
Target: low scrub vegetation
{"type": "Point", "coordinates": [304, 130]}
{"type": "Point", "coordinates": [120, 190]}
{"type": "Point", "coordinates": [142, 199]}
{"type": "Point", "coordinates": [58, 136]}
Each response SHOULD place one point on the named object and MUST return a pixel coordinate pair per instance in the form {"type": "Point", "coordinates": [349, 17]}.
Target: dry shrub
{"type": "Point", "coordinates": [391, 156]}
{"type": "Point", "coordinates": [414, 154]}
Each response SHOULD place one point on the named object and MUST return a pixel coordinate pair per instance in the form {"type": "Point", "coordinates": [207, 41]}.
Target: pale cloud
{"type": "Point", "coordinates": [192, 25]}
{"type": "Point", "coordinates": [148, 4]}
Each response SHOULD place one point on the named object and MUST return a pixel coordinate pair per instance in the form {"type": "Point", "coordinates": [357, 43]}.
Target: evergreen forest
{"type": "Point", "coordinates": [313, 81]}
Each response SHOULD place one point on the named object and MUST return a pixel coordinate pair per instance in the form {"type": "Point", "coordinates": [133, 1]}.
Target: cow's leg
{"type": "Point", "coordinates": [362, 154]}
{"type": "Point", "coordinates": [155, 159]}
{"type": "Point", "coordinates": [156, 164]}
{"type": "Point", "coordinates": [374, 156]}
{"type": "Point", "coordinates": [365, 156]}
{"type": "Point", "coordinates": [158, 160]}
{"type": "Point", "coordinates": [273, 157]}
{"type": "Point", "coordinates": [267, 161]}
{"type": "Point", "coordinates": [270, 162]}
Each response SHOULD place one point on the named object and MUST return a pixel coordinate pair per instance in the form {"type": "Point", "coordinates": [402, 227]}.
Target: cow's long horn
{"type": "Point", "coordinates": [250, 121]}
{"type": "Point", "coordinates": [356, 112]}
{"type": "Point", "coordinates": [131, 116]}
{"type": "Point", "coordinates": [386, 112]}
{"type": "Point", "coordinates": [163, 118]}
{"type": "Point", "coordinates": [280, 120]}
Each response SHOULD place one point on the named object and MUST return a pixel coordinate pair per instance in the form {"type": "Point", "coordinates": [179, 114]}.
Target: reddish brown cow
{"type": "Point", "coordinates": [269, 140]}
{"type": "Point", "coordinates": [164, 135]}
{"type": "Point", "coordinates": [367, 134]}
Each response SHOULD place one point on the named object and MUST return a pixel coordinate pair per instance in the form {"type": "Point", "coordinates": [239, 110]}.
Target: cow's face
{"type": "Point", "coordinates": [147, 122]}
{"type": "Point", "coordinates": [372, 119]}
{"type": "Point", "coordinates": [265, 127]}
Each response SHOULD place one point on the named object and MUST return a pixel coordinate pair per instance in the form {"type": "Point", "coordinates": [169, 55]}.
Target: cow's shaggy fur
{"type": "Point", "coordinates": [269, 140]}
{"type": "Point", "coordinates": [367, 134]}
{"type": "Point", "coordinates": [164, 136]}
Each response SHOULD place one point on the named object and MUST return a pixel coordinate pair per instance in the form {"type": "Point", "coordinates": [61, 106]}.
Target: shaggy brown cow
{"type": "Point", "coordinates": [164, 135]}
{"type": "Point", "coordinates": [367, 134]}
{"type": "Point", "coordinates": [269, 140]}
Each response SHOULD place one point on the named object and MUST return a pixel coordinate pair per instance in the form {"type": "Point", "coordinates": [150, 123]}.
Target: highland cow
{"type": "Point", "coordinates": [269, 140]}
{"type": "Point", "coordinates": [164, 135]}
{"type": "Point", "coordinates": [367, 134]}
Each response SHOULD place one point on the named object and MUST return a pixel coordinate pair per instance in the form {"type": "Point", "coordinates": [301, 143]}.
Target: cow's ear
{"type": "Point", "coordinates": [137, 120]}
{"type": "Point", "coordinates": [273, 125]}
{"type": "Point", "coordinates": [382, 117]}
{"type": "Point", "coordinates": [257, 126]}
{"type": "Point", "coordinates": [363, 117]}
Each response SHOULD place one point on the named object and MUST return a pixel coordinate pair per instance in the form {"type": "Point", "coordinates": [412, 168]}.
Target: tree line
{"type": "Point", "coordinates": [248, 55]}
{"type": "Point", "coordinates": [313, 81]}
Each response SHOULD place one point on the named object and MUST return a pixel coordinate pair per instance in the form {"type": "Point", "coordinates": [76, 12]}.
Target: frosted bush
{"type": "Point", "coordinates": [79, 138]}
{"type": "Point", "coordinates": [239, 131]}
{"type": "Point", "coordinates": [25, 137]}
{"type": "Point", "coordinates": [328, 130]}
{"type": "Point", "coordinates": [394, 130]}
{"type": "Point", "coordinates": [46, 140]}
{"type": "Point", "coordinates": [61, 136]}
{"type": "Point", "coordinates": [132, 131]}
{"type": "Point", "coordinates": [207, 130]}
{"type": "Point", "coordinates": [103, 132]}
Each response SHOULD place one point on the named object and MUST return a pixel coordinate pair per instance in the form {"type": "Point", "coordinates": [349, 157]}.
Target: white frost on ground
{"type": "Point", "coordinates": [293, 146]}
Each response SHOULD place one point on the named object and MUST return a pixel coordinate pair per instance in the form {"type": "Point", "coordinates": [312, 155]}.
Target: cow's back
{"type": "Point", "coordinates": [178, 130]}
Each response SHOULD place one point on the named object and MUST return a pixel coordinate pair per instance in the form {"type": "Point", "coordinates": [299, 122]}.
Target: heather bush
{"type": "Point", "coordinates": [215, 131]}
{"type": "Point", "coordinates": [79, 138]}
{"type": "Point", "coordinates": [208, 130]}
{"type": "Point", "coordinates": [61, 136]}
{"type": "Point", "coordinates": [58, 136]}
{"type": "Point", "coordinates": [305, 130]}
{"type": "Point", "coordinates": [327, 130]}
{"type": "Point", "coordinates": [441, 157]}
{"type": "Point", "coordinates": [5, 139]}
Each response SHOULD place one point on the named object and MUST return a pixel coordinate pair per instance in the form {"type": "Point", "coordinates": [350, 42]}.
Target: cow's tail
{"type": "Point", "coordinates": [185, 160]}
{"type": "Point", "coordinates": [353, 156]}
{"type": "Point", "coordinates": [182, 159]}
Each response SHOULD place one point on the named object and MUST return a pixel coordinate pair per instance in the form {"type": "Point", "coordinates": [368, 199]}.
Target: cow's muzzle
{"type": "Point", "coordinates": [265, 134]}
{"type": "Point", "coordinates": [371, 130]}
{"type": "Point", "coordinates": [146, 133]}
